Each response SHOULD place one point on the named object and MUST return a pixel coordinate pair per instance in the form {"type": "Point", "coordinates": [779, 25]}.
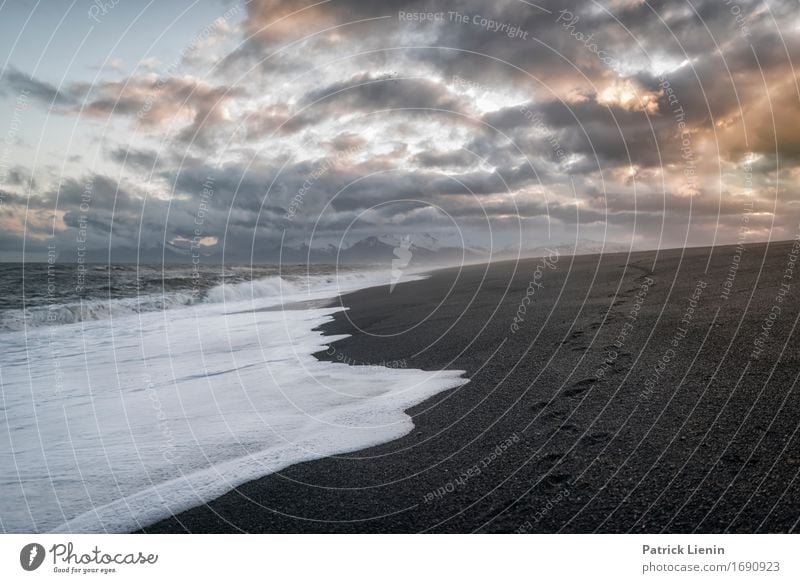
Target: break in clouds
{"type": "Point", "coordinates": [269, 125]}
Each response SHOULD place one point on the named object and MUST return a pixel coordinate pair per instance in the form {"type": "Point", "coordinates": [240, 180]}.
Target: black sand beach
{"type": "Point", "coordinates": [633, 396]}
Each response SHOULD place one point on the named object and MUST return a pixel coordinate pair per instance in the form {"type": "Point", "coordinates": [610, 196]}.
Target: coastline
{"type": "Point", "coordinates": [595, 415]}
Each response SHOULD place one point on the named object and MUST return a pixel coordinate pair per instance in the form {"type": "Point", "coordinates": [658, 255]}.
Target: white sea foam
{"type": "Point", "coordinates": [109, 425]}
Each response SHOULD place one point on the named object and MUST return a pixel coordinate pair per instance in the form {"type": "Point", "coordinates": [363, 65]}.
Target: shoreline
{"type": "Point", "coordinates": [563, 426]}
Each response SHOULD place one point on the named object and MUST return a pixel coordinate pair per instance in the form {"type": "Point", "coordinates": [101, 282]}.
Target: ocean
{"type": "Point", "coordinates": [131, 393]}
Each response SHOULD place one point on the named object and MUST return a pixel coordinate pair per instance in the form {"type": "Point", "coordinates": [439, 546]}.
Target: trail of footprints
{"type": "Point", "coordinates": [556, 410]}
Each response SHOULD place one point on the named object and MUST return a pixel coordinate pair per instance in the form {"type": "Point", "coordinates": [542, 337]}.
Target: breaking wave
{"type": "Point", "coordinates": [267, 291]}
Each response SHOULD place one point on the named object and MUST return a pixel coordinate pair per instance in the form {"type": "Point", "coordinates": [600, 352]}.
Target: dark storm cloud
{"type": "Point", "coordinates": [144, 160]}
{"type": "Point", "coordinates": [92, 191]}
{"type": "Point", "coordinates": [276, 119]}
{"type": "Point", "coordinates": [147, 100]}
{"type": "Point", "coordinates": [368, 93]}
{"type": "Point", "coordinates": [555, 130]}
{"type": "Point", "coordinates": [20, 176]}
{"type": "Point", "coordinates": [550, 114]}
{"type": "Point", "coordinates": [14, 82]}
{"type": "Point", "coordinates": [448, 159]}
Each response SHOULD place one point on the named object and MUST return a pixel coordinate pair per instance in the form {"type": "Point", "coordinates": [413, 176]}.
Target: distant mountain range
{"type": "Point", "coordinates": [418, 250]}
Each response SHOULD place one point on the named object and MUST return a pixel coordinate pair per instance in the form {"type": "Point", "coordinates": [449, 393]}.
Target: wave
{"type": "Point", "coordinates": [89, 310]}
{"type": "Point", "coordinates": [267, 287]}
{"type": "Point", "coordinates": [267, 291]}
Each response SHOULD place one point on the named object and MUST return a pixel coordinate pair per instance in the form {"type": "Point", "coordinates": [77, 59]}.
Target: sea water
{"type": "Point", "coordinates": [144, 400]}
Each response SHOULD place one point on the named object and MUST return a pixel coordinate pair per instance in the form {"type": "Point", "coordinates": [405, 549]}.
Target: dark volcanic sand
{"type": "Point", "coordinates": [714, 446]}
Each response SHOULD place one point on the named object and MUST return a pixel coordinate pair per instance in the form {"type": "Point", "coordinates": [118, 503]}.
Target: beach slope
{"type": "Point", "coordinates": [651, 392]}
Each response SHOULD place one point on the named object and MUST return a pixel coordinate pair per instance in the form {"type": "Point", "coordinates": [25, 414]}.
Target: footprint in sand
{"type": "Point", "coordinates": [580, 387]}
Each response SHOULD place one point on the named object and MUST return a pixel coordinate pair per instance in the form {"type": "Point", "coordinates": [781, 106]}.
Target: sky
{"type": "Point", "coordinates": [240, 127]}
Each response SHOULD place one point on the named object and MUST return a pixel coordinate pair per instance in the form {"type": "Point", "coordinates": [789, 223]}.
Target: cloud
{"type": "Point", "coordinates": [638, 117]}
{"type": "Point", "coordinates": [346, 141]}
{"type": "Point", "coordinates": [145, 160]}
{"type": "Point", "coordinates": [368, 92]}
{"type": "Point", "coordinates": [14, 83]}
{"type": "Point", "coordinates": [445, 159]}
{"type": "Point", "coordinates": [164, 103]}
